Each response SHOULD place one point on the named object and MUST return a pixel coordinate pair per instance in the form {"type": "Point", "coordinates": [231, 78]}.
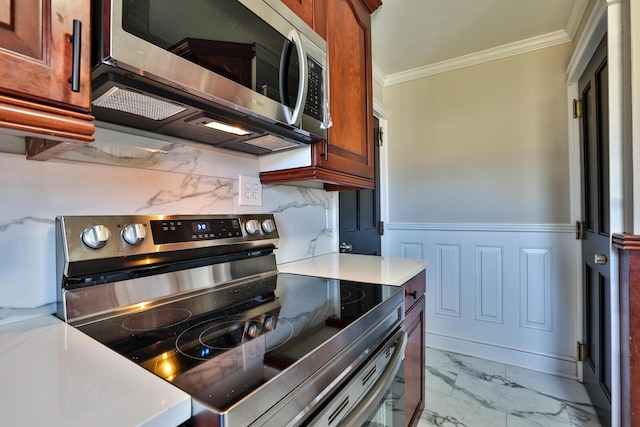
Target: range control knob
{"type": "Point", "coordinates": [253, 330]}
{"type": "Point", "coordinates": [96, 236]}
{"type": "Point", "coordinates": [268, 226]}
{"type": "Point", "coordinates": [134, 234]}
{"type": "Point", "coordinates": [269, 323]}
{"type": "Point", "coordinates": [252, 226]}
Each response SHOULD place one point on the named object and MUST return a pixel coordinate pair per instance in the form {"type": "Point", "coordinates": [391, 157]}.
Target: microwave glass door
{"type": "Point", "coordinates": [222, 36]}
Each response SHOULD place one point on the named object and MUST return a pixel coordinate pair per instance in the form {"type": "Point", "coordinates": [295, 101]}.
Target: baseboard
{"type": "Point", "coordinates": [547, 363]}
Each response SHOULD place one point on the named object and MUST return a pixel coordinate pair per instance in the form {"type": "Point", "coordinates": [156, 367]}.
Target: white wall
{"type": "Point", "coordinates": [478, 183]}
{"type": "Point", "coordinates": [111, 176]}
{"type": "Point", "coordinates": [485, 143]}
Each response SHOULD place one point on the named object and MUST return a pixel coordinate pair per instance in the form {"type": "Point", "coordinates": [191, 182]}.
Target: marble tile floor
{"type": "Point", "coordinates": [471, 392]}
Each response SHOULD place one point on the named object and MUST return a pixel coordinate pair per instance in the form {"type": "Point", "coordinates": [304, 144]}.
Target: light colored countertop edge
{"type": "Point", "coordinates": [52, 374]}
{"type": "Point", "coordinates": [358, 268]}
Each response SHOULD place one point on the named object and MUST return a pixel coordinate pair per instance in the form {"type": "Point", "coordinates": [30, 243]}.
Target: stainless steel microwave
{"type": "Point", "coordinates": [245, 75]}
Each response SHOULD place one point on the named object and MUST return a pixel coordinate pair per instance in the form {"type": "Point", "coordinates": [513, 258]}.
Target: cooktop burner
{"type": "Point", "coordinates": [351, 295]}
{"type": "Point", "coordinates": [348, 295]}
{"type": "Point", "coordinates": [208, 339]}
{"type": "Point", "coordinates": [156, 319]}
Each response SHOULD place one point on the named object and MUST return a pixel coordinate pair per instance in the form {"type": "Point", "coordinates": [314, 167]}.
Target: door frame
{"type": "Point", "coordinates": [605, 18]}
{"type": "Point", "coordinates": [381, 113]}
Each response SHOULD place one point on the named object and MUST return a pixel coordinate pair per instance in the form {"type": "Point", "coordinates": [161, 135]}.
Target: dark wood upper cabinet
{"type": "Point", "coordinates": [350, 147]}
{"type": "Point", "coordinates": [36, 56]}
{"type": "Point", "coordinates": [310, 11]}
{"type": "Point", "coordinates": [347, 160]}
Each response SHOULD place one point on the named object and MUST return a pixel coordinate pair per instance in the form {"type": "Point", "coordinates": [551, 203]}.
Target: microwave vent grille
{"type": "Point", "coordinates": [271, 142]}
{"type": "Point", "coordinates": [136, 103]}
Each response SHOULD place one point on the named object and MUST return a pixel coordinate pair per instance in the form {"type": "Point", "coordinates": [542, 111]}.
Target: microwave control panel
{"type": "Point", "coordinates": [315, 89]}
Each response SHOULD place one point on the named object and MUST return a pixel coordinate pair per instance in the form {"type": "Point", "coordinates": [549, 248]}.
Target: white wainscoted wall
{"type": "Point", "coordinates": [123, 175]}
{"type": "Point", "coordinates": [504, 292]}
{"type": "Point", "coordinates": [477, 179]}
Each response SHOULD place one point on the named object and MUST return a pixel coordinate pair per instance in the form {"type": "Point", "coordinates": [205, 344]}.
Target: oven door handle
{"type": "Point", "coordinates": [366, 406]}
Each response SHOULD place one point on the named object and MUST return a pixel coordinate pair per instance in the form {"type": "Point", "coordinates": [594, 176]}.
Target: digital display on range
{"type": "Point", "coordinates": [187, 230]}
{"type": "Point", "coordinates": [200, 227]}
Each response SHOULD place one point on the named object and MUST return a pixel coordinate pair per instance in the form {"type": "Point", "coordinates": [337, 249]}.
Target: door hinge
{"type": "Point", "coordinates": [577, 108]}
{"type": "Point", "coordinates": [381, 228]}
{"type": "Point", "coordinates": [581, 355]}
{"type": "Point", "coordinates": [579, 230]}
{"type": "Point", "coordinates": [380, 137]}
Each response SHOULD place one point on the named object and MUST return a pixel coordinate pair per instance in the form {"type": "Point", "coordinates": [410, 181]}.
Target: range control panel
{"type": "Point", "coordinates": [83, 238]}
{"type": "Point", "coordinates": [176, 231]}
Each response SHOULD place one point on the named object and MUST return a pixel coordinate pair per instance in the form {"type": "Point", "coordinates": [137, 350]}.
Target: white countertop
{"type": "Point", "coordinates": [360, 268]}
{"type": "Point", "coordinates": [52, 374]}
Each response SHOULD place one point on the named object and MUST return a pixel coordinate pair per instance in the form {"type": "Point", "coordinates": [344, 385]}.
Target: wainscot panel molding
{"type": "Point", "coordinates": [412, 250]}
{"type": "Point", "coordinates": [489, 276]}
{"type": "Point", "coordinates": [448, 280]}
{"type": "Point", "coordinates": [535, 288]}
{"type": "Point", "coordinates": [506, 292]}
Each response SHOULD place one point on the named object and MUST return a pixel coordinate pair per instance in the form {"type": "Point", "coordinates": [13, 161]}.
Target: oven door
{"type": "Point", "coordinates": [371, 394]}
{"type": "Point", "coordinates": [390, 408]}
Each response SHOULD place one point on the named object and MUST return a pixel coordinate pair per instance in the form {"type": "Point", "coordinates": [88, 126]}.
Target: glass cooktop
{"type": "Point", "coordinates": [220, 346]}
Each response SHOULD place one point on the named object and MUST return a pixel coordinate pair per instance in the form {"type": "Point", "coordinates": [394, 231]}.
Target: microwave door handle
{"type": "Point", "coordinates": [283, 74]}
{"type": "Point", "coordinates": [294, 116]}
{"type": "Point", "coordinates": [366, 405]}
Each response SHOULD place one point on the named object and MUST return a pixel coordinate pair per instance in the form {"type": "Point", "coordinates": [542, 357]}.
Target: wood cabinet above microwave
{"type": "Point", "coordinates": [45, 92]}
{"type": "Point", "coordinates": [310, 11]}
{"type": "Point", "coordinates": [347, 159]}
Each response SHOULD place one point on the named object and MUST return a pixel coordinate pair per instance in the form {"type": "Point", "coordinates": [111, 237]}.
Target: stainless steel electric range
{"type": "Point", "coordinates": [198, 301]}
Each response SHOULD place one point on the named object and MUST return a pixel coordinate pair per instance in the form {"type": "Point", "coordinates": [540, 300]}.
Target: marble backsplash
{"type": "Point", "coordinates": [114, 176]}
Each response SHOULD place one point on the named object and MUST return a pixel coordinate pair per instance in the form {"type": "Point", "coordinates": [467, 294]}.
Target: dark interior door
{"type": "Point", "coordinates": [360, 213]}
{"type": "Point", "coordinates": [594, 92]}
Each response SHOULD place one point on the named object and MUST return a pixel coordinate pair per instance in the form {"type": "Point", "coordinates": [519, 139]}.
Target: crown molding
{"type": "Point", "coordinates": [593, 32]}
{"type": "Point", "coordinates": [500, 52]}
{"type": "Point", "coordinates": [378, 74]}
{"type": "Point", "coordinates": [575, 17]}
{"type": "Point", "coordinates": [379, 109]}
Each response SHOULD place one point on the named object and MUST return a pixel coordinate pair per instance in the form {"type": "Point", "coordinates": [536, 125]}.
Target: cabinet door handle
{"type": "Point", "coordinates": [413, 294]}
{"type": "Point", "coordinates": [76, 41]}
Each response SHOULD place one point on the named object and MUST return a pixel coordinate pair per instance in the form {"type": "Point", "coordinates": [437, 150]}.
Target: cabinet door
{"type": "Point", "coordinates": [414, 288]}
{"type": "Point", "coordinates": [36, 54]}
{"type": "Point", "coordinates": [310, 11]}
{"type": "Point", "coordinates": [414, 363]}
{"type": "Point", "coordinates": [347, 160]}
{"type": "Point", "coordinates": [350, 147]}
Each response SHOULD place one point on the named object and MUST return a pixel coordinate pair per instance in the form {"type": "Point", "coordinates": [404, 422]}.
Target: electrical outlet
{"type": "Point", "coordinates": [249, 191]}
